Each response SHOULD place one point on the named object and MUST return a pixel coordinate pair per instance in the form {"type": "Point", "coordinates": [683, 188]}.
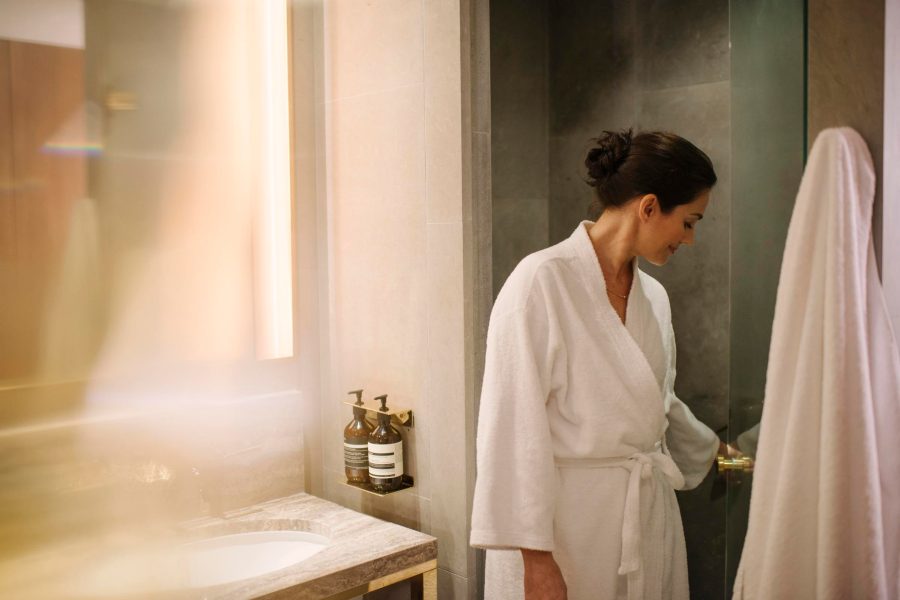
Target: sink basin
{"type": "Point", "coordinates": [238, 556]}
{"type": "Point", "coordinates": [198, 564]}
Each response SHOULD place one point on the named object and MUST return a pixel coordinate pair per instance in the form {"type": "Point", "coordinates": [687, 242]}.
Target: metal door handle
{"type": "Point", "coordinates": [743, 463]}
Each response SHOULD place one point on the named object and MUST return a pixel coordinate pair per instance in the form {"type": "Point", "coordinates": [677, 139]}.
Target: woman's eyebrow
{"type": "Point", "coordinates": [698, 215]}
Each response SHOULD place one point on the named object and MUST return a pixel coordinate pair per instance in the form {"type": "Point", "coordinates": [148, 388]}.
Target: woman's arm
{"type": "Point", "coordinates": [515, 489]}
{"type": "Point", "coordinates": [543, 579]}
{"type": "Point", "coordinates": [691, 443]}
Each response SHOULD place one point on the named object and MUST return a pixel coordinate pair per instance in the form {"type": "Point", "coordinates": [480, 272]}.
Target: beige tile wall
{"type": "Point", "coordinates": [395, 195]}
{"type": "Point", "coordinates": [846, 77]}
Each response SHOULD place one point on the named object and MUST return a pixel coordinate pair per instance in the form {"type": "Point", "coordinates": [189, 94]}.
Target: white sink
{"type": "Point", "coordinates": [199, 564]}
{"type": "Point", "coordinates": [238, 556]}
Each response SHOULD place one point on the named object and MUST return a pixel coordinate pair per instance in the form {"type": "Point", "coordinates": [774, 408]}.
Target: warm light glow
{"type": "Point", "coordinates": [273, 296]}
{"type": "Point", "coordinates": [145, 267]}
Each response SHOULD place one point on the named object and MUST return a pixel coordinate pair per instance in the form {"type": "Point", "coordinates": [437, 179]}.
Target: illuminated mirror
{"type": "Point", "coordinates": [147, 196]}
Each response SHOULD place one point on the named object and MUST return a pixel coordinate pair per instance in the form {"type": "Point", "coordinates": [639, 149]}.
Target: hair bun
{"type": "Point", "coordinates": [607, 156]}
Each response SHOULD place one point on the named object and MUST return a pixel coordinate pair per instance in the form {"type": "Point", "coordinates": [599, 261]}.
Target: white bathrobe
{"type": "Point", "coordinates": [573, 447]}
{"type": "Point", "coordinates": [825, 511]}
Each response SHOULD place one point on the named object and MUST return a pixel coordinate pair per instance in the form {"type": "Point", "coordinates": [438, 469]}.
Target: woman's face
{"type": "Point", "coordinates": [661, 234]}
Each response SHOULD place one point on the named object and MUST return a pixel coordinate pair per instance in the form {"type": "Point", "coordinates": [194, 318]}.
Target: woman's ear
{"type": "Point", "coordinates": [648, 206]}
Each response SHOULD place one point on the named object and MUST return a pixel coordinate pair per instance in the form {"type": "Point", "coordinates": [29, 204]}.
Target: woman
{"type": "Point", "coordinates": [581, 439]}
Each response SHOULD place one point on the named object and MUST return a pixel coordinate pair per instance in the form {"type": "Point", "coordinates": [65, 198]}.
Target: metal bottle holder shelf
{"type": "Point", "coordinates": [399, 417]}
{"type": "Point", "coordinates": [406, 483]}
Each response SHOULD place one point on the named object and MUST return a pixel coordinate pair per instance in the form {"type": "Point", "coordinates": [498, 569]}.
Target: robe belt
{"type": "Point", "coordinates": [640, 465]}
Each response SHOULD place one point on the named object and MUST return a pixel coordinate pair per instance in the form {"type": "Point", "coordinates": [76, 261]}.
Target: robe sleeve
{"type": "Point", "coordinates": [692, 444]}
{"type": "Point", "coordinates": [515, 488]}
{"type": "Point", "coordinates": [748, 441]}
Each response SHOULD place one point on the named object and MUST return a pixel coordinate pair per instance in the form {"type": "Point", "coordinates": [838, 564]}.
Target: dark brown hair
{"type": "Point", "coordinates": [622, 166]}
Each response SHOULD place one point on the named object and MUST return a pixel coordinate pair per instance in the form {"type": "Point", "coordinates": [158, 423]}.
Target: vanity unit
{"type": "Point", "coordinates": [299, 547]}
{"type": "Point", "coordinates": [362, 554]}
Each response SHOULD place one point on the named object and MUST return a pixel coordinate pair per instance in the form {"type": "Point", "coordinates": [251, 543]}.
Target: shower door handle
{"type": "Point", "coordinates": [743, 463]}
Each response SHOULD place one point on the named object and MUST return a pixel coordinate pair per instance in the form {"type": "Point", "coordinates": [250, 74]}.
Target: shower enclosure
{"type": "Point", "coordinates": [730, 77]}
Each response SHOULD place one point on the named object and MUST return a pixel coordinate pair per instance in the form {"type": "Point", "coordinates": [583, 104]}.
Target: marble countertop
{"type": "Point", "coordinates": [361, 549]}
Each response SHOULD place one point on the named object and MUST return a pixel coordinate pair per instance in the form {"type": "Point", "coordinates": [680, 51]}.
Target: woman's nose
{"type": "Point", "coordinates": [688, 237]}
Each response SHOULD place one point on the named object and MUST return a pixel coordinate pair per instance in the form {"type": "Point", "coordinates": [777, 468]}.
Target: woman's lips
{"type": "Point", "coordinates": [672, 250]}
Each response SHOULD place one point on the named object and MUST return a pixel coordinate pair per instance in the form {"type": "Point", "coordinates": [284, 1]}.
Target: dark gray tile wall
{"type": "Point", "coordinates": [481, 228]}
{"type": "Point", "coordinates": [519, 145]}
{"type": "Point", "coordinates": [682, 43]}
{"type": "Point", "coordinates": [593, 87]}
{"type": "Point", "coordinates": [592, 59]}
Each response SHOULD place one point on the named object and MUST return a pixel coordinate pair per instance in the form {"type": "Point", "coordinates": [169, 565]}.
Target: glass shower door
{"type": "Point", "coordinates": [768, 120]}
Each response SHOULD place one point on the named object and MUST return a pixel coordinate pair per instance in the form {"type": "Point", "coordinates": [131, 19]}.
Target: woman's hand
{"type": "Point", "coordinates": [543, 579]}
{"type": "Point", "coordinates": [729, 451]}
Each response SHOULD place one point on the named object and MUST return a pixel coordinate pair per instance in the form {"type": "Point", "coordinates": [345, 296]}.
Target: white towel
{"type": "Point", "coordinates": [824, 511]}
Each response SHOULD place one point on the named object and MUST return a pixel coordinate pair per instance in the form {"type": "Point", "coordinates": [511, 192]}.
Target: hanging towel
{"type": "Point", "coordinates": [824, 511]}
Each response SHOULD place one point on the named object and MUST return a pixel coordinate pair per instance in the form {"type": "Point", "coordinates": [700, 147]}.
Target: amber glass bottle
{"type": "Point", "coordinates": [356, 443]}
{"type": "Point", "coordinates": [385, 453]}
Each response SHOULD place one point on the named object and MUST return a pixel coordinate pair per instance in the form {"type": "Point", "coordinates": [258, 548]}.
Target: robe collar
{"type": "Point", "coordinates": [583, 247]}
{"type": "Point", "coordinates": [633, 367]}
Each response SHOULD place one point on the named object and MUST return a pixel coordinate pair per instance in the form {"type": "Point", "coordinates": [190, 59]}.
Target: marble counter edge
{"type": "Point", "coordinates": [334, 569]}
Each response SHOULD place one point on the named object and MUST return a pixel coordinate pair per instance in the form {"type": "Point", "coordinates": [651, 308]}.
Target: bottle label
{"type": "Point", "coordinates": [385, 460]}
{"type": "Point", "coordinates": [356, 456]}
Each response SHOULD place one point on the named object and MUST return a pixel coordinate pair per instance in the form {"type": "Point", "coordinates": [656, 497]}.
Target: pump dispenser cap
{"type": "Point", "coordinates": [383, 400]}
{"type": "Point", "coordinates": [358, 393]}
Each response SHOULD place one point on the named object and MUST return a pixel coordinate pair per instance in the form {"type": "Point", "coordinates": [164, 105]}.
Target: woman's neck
{"type": "Point", "coordinates": [613, 239]}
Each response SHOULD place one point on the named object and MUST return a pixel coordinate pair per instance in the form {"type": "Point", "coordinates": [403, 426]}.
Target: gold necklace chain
{"type": "Point", "coordinates": [609, 291]}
